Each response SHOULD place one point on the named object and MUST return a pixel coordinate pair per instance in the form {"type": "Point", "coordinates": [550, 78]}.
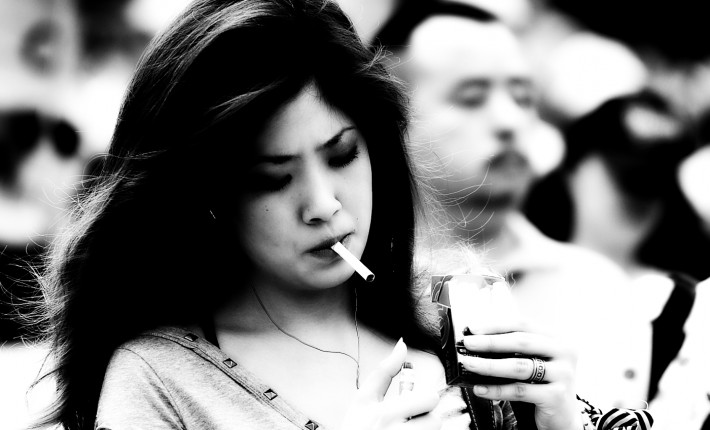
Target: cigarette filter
{"type": "Point", "coordinates": [356, 264]}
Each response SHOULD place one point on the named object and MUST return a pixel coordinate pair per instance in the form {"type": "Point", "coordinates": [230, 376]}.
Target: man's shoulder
{"type": "Point", "coordinates": [540, 252]}
{"type": "Point", "coordinates": [583, 259]}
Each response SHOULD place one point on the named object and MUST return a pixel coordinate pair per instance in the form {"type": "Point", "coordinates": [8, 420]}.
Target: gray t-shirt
{"type": "Point", "coordinates": [173, 379]}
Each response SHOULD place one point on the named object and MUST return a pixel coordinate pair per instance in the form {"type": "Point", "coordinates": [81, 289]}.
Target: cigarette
{"type": "Point", "coordinates": [354, 262]}
{"type": "Point", "coordinates": [406, 377]}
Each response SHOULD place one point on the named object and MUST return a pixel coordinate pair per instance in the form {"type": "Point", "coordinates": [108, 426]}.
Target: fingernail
{"type": "Point", "coordinates": [480, 390]}
{"type": "Point", "coordinates": [472, 363]}
{"type": "Point", "coordinates": [475, 342]}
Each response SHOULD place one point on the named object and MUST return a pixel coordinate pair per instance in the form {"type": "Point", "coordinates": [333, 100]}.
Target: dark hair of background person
{"type": "Point", "coordinates": [104, 30]}
{"type": "Point", "coordinates": [143, 249]}
{"type": "Point", "coordinates": [684, 23]}
{"type": "Point", "coordinates": [645, 169]}
{"type": "Point", "coordinates": [409, 14]}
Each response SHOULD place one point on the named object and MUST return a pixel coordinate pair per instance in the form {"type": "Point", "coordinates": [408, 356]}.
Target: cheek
{"type": "Point", "coordinates": [260, 225]}
{"type": "Point", "coordinates": [452, 131]}
{"type": "Point", "coordinates": [365, 214]}
{"type": "Point", "coordinates": [358, 191]}
{"type": "Point", "coordinates": [458, 155]}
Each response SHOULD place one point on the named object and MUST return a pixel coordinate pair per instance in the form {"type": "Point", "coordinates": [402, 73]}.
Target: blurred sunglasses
{"type": "Point", "coordinates": [21, 131]}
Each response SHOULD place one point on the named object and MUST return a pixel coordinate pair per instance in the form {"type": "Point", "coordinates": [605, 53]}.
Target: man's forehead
{"type": "Point", "coordinates": [445, 41]}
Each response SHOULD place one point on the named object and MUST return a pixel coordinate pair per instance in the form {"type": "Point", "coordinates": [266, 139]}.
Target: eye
{"type": "Point", "coordinates": [523, 95]}
{"type": "Point", "coordinates": [524, 99]}
{"type": "Point", "coordinates": [471, 97]}
{"type": "Point", "coordinates": [344, 159]}
{"type": "Point", "coordinates": [471, 102]}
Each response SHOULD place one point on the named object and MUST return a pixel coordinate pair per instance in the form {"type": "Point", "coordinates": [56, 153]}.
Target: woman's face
{"type": "Point", "coordinates": [309, 186]}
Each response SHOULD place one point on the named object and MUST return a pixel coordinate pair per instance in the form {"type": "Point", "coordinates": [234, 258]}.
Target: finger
{"type": "Point", "coordinates": [414, 406]}
{"type": "Point", "coordinates": [526, 343]}
{"type": "Point", "coordinates": [495, 325]}
{"type": "Point", "coordinates": [377, 383]}
{"type": "Point", "coordinates": [520, 391]}
{"type": "Point", "coordinates": [520, 368]}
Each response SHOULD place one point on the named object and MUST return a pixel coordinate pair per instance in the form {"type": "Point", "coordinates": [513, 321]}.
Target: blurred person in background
{"type": "Point", "coordinates": [39, 144]}
{"type": "Point", "coordinates": [473, 135]}
{"type": "Point", "coordinates": [617, 192]}
{"type": "Point", "coordinates": [368, 16]}
{"type": "Point", "coordinates": [113, 35]}
{"type": "Point", "coordinates": [623, 197]}
{"type": "Point", "coordinates": [694, 173]}
{"type": "Point", "coordinates": [40, 162]}
{"type": "Point", "coordinates": [63, 66]}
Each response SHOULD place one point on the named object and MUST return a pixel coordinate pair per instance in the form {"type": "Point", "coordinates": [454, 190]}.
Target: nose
{"type": "Point", "coordinates": [319, 200]}
{"type": "Point", "coordinates": [508, 117]}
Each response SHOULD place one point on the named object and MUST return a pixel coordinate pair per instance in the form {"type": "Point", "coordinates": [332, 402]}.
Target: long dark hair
{"type": "Point", "coordinates": [143, 250]}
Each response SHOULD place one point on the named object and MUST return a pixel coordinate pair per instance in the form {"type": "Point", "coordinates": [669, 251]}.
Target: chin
{"type": "Point", "coordinates": [326, 281]}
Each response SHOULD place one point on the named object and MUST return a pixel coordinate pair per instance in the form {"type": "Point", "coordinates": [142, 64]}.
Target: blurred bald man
{"type": "Point", "coordinates": [474, 135]}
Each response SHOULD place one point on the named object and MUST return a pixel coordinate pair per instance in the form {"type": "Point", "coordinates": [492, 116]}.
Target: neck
{"type": "Point", "coordinates": [301, 313]}
{"type": "Point", "coordinates": [279, 319]}
{"type": "Point", "coordinates": [623, 254]}
{"type": "Point", "coordinates": [619, 239]}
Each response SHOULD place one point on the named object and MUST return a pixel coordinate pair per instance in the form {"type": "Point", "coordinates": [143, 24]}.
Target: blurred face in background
{"type": "Point", "coordinates": [39, 51]}
{"type": "Point", "coordinates": [472, 102]}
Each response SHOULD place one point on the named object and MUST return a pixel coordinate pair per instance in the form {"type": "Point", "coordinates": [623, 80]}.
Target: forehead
{"type": "Point", "coordinates": [302, 124]}
{"type": "Point", "coordinates": [457, 47]}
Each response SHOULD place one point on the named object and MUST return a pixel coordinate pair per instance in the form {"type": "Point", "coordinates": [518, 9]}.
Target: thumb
{"type": "Point", "coordinates": [377, 383]}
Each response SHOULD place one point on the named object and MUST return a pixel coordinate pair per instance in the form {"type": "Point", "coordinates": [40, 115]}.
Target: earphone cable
{"type": "Point", "coordinates": [357, 334]}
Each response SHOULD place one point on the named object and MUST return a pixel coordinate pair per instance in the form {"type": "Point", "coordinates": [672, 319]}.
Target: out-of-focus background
{"type": "Point", "coordinates": [64, 65]}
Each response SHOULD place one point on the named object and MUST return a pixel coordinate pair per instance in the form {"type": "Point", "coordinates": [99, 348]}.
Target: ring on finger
{"type": "Point", "coordinates": [538, 373]}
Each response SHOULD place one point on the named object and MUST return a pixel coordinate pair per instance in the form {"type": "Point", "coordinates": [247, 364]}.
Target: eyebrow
{"type": "Point", "coordinates": [486, 82]}
{"type": "Point", "coordinates": [528, 82]}
{"type": "Point", "coordinates": [282, 159]}
{"type": "Point", "coordinates": [474, 82]}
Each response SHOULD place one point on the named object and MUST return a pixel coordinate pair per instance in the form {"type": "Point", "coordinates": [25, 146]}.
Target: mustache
{"type": "Point", "coordinates": [509, 157]}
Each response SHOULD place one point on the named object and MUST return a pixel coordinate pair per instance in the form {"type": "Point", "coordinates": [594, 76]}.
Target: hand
{"type": "Point", "coordinates": [554, 394]}
{"type": "Point", "coordinates": [369, 410]}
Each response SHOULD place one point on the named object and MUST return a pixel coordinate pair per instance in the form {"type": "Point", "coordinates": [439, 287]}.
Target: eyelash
{"type": "Point", "coordinates": [270, 184]}
{"type": "Point", "coordinates": [344, 160]}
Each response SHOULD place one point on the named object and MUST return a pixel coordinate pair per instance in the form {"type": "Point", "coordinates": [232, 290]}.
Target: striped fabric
{"type": "Point", "coordinates": [616, 418]}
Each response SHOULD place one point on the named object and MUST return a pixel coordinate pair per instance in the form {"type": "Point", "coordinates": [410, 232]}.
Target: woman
{"type": "Point", "coordinates": [197, 288]}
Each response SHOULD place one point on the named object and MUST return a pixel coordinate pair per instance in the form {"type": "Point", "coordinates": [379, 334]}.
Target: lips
{"type": "Point", "coordinates": [509, 160]}
{"type": "Point", "coordinates": [323, 248]}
